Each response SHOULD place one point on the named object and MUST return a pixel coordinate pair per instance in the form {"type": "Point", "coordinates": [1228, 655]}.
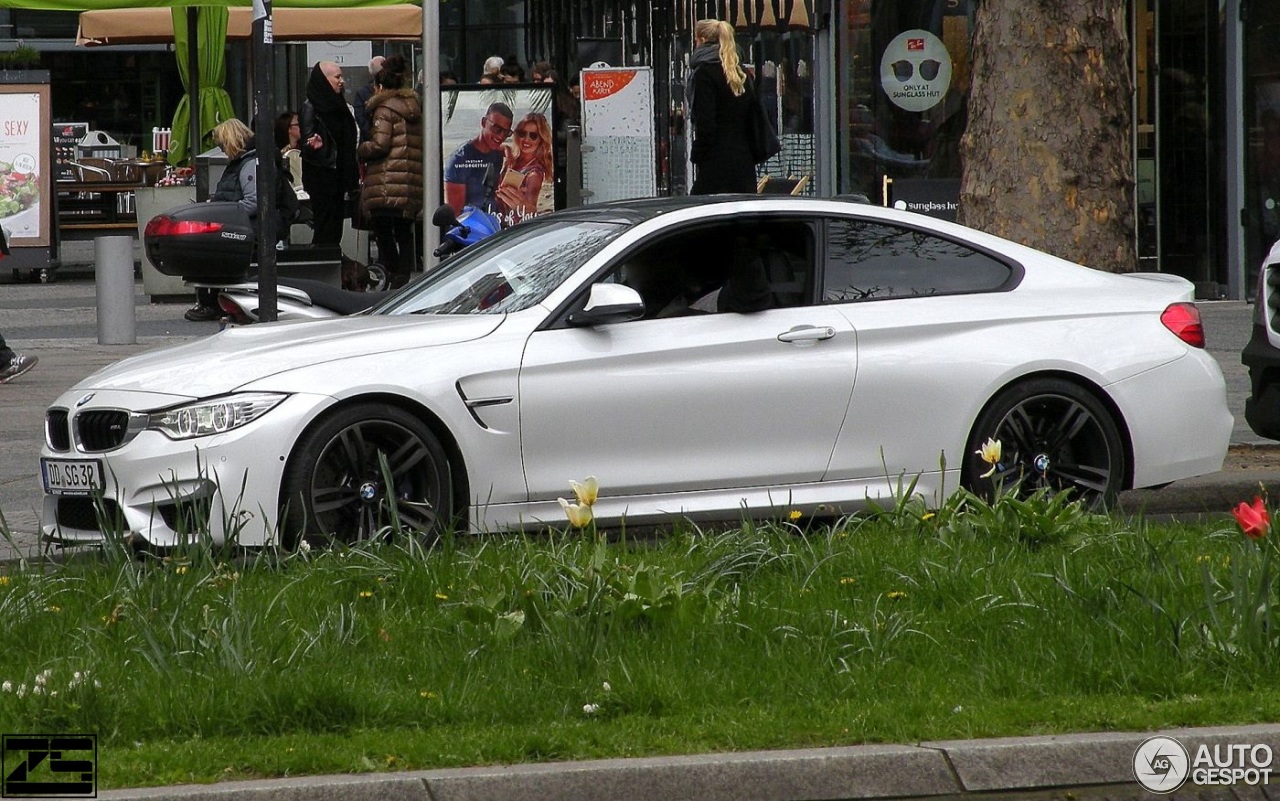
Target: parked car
{"type": "Point", "coordinates": [1262, 354]}
{"type": "Point", "coordinates": [708, 357]}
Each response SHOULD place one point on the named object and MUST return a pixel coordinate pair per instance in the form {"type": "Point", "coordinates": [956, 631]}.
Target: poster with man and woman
{"type": "Point", "coordinates": [499, 150]}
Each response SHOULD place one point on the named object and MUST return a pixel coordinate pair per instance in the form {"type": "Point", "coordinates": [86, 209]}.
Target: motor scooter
{"type": "Point", "coordinates": [461, 230]}
{"type": "Point", "coordinates": [210, 245]}
{"type": "Point", "coordinates": [296, 299]}
{"type": "Point", "coordinates": [301, 299]}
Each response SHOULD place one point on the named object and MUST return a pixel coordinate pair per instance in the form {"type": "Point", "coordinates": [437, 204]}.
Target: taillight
{"type": "Point", "coordinates": [167, 226]}
{"type": "Point", "coordinates": [233, 310]}
{"type": "Point", "coordinates": [1183, 319]}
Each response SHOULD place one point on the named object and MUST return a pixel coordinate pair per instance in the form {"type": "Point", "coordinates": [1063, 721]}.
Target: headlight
{"type": "Point", "coordinates": [214, 416]}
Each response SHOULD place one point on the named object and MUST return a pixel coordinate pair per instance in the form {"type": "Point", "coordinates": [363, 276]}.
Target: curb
{"type": "Point", "coordinates": [1061, 766]}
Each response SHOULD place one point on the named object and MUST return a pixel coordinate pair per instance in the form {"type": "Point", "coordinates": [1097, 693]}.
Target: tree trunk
{"type": "Point", "coordinates": [1047, 151]}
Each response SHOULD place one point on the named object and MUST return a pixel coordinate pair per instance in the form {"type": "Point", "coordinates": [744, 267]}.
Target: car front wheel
{"type": "Point", "coordinates": [1053, 435]}
{"type": "Point", "coordinates": [360, 470]}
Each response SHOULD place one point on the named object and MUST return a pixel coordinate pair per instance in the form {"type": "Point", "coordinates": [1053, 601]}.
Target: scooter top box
{"type": "Point", "coordinates": [202, 242]}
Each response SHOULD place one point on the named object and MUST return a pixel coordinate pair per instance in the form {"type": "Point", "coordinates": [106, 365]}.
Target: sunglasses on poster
{"type": "Point", "coordinates": [903, 70]}
{"type": "Point", "coordinates": [532, 136]}
{"type": "Point", "coordinates": [496, 128]}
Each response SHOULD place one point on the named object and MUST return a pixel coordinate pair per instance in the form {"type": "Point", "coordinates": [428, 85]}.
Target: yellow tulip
{"type": "Point", "coordinates": [579, 514]}
{"type": "Point", "coordinates": [990, 452]}
{"type": "Point", "coordinates": [587, 491]}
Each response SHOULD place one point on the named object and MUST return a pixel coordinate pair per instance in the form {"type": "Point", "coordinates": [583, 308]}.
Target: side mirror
{"type": "Point", "coordinates": [609, 303]}
{"type": "Point", "coordinates": [443, 217]}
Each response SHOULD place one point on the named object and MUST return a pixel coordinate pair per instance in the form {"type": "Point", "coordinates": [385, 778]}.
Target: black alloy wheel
{"type": "Point", "coordinates": [1054, 435]}
{"type": "Point", "coordinates": [335, 486]}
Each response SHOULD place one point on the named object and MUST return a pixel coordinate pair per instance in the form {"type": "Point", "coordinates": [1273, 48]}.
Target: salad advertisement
{"type": "Point", "coordinates": [24, 162]}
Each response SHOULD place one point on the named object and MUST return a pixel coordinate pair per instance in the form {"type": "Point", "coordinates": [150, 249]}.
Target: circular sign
{"type": "Point", "coordinates": [915, 70]}
{"type": "Point", "coordinates": [1161, 764]}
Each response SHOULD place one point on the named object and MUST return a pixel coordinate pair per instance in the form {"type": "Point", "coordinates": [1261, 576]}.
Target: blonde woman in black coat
{"type": "Point", "coordinates": [720, 108]}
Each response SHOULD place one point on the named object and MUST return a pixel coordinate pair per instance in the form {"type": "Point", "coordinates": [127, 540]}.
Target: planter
{"type": "Point", "coordinates": [148, 202]}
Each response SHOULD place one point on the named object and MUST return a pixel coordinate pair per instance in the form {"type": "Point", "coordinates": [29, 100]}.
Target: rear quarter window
{"type": "Point", "coordinates": [869, 260]}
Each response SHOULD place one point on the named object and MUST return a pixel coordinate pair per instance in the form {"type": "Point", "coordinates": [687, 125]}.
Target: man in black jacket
{"type": "Point", "coordinates": [362, 97]}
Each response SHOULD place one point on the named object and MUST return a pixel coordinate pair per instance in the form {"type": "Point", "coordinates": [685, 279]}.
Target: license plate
{"type": "Point", "coordinates": [71, 476]}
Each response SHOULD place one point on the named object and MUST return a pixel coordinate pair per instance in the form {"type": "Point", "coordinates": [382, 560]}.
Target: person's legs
{"type": "Point", "coordinates": [13, 364]}
{"type": "Point", "coordinates": [407, 245]}
{"type": "Point", "coordinates": [327, 214]}
{"type": "Point", "coordinates": [206, 307]}
{"type": "Point", "coordinates": [419, 240]}
{"type": "Point", "coordinates": [388, 248]}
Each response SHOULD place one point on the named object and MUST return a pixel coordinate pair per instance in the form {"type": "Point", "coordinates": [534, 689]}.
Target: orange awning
{"type": "Point", "coordinates": [123, 26]}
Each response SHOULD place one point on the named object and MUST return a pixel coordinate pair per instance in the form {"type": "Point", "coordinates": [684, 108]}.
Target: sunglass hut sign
{"type": "Point", "coordinates": [915, 70]}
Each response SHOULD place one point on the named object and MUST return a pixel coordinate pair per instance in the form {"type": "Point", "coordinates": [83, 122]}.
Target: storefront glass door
{"type": "Point", "coordinates": [906, 64]}
{"type": "Point", "coordinates": [1262, 133]}
{"type": "Point", "coordinates": [1180, 130]}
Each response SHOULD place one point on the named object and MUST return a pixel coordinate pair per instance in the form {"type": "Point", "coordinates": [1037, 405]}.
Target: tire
{"type": "Point", "coordinates": [334, 488]}
{"type": "Point", "coordinates": [1053, 435]}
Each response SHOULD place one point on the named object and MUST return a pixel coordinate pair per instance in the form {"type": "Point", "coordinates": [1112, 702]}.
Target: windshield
{"type": "Point", "coordinates": [508, 272]}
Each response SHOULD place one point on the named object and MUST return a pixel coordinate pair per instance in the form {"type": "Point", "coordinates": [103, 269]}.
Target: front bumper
{"type": "Point", "coordinates": [167, 492]}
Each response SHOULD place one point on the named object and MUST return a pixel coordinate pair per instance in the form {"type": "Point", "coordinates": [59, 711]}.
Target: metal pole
{"type": "Point", "coordinates": [193, 80]}
{"type": "Point", "coordinates": [268, 155]}
{"type": "Point", "coordinates": [1234, 25]}
{"type": "Point", "coordinates": [432, 173]}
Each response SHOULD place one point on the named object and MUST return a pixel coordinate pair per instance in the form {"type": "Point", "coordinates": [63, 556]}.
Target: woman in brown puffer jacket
{"type": "Point", "coordinates": [391, 198]}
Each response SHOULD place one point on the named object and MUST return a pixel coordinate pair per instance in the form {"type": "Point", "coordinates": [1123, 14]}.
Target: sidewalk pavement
{"type": "Point", "coordinates": [1070, 766]}
{"type": "Point", "coordinates": [56, 322]}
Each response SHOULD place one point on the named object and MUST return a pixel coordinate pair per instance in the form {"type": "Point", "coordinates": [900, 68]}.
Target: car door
{"type": "Point", "coordinates": [929, 310]}
{"type": "Point", "coordinates": [699, 402]}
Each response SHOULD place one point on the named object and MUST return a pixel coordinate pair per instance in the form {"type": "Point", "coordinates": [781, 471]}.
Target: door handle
{"type": "Point", "coordinates": [807, 333]}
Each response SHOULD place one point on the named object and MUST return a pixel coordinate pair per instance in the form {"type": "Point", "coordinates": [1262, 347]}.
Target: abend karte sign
{"type": "Point", "coordinates": [25, 162]}
{"type": "Point", "coordinates": [619, 159]}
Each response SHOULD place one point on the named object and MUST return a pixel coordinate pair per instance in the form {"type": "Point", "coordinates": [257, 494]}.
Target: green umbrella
{"type": "Point", "coordinates": [215, 103]}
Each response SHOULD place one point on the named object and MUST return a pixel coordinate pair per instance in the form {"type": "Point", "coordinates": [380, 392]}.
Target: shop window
{"type": "Point", "coordinates": [907, 66]}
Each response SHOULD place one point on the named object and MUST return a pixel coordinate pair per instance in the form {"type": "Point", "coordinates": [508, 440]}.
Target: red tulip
{"type": "Point", "coordinates": [1253, 518]}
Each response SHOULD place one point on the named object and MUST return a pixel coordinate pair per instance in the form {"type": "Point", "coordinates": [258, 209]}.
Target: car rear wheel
{"type": "Point", "coordinates": [1053, 435]}
{"type": "Point", "coordinates": [336, 487]}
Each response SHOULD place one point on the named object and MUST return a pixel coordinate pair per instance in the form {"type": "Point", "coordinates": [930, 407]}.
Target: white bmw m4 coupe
{"type": "Point", "coordinates": [708, 357]}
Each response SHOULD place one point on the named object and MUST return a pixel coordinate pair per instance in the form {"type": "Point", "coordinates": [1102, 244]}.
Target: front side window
{"type": "Point", "coordinates": [509, 272]}
{"type": "Point", "coordinates": [747, 264]}
{"type": "Point", "coordinates": [869, 260]}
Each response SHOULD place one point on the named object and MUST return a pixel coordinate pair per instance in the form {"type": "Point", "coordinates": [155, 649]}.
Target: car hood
{"type": "Point", "coordinates": [238, 356]}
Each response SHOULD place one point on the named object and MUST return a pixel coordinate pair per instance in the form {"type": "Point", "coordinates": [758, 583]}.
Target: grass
{"type": "Point", "coordinates": [975, 620]}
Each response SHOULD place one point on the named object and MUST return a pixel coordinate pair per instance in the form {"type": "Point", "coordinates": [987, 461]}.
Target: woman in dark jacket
{"type": "Point", "coordinates": [238, 184]}
{"type": "Point", "coordinates": [720, 108]}
{"type": "Point", "coordinates": [392, 195]}
{"type": "Point", "coordinates": [329, 168]}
